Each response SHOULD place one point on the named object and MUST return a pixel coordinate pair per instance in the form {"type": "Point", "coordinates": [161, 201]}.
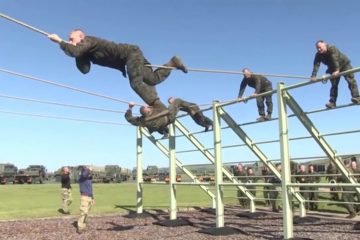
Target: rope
{"type": "Point", "coordinates": [65, 86]}
{"type": "Point", "coordinates": [60, 104]}
{"type": "Point", "coordinates": [231, 72]}
{"type": "Point", "coordinates": [63, 118]}
{"type": "Point", "coordinates": [24, 24]}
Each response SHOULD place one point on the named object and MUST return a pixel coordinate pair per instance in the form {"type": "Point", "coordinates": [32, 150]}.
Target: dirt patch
{"type": "Point", "coordinates": [263, 225]}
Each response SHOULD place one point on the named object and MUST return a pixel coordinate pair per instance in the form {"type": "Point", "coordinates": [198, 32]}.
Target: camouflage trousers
{"type": "Point", "coordinates": [350, 78]}
{"type": "Point", "coordinates": [143, 79]}
{"type": "Point", "coordinates": [85, 206]}
{"type": "Point", "coordinates": [66, 199]}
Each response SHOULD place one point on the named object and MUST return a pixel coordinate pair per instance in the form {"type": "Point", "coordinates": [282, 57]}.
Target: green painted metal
{"type": "Point", "coordinates": [139, 172]}
{"type": "Point", "coordinates": [211, 157]}
{"type": "Point", "coordinates": [165, 151]}
{"type": "Point", "coordinates": [218, 168]}
{"type": "Point", "coordinates": [172, 172]}
{"type": "Point", "coordinates": [325, 146]}
{"type": "Point", "coordinates": [285, 162]}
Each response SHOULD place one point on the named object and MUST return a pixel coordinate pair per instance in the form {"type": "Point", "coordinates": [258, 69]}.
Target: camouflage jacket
{"type": "Point", "coordinates": [101, 52]}
{"type": "Point", "coordinates": [333, 59]}
{"type": "Point", "coordinates": [258, 82]}
{"type": "Point", "coordinates": [158, 124]}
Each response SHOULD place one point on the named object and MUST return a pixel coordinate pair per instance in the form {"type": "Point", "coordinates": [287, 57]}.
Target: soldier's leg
{"type": "Point", "coordinates": [334, 89]}
{"type": "Point", "coordinates": [353, 88]}
{"type": "Point", "coordinates": [135, 67]}
{"type": "Point", "coordinates": [348, 198]}
{"type": "Point", "coordinates": [269, 104]}
{"type": "Point", "coordinates": [153, 78]}
{"type": "Point", "coordinates": [260, 105]}
{"type": "Point", "coordinates": [85, 204]}
{"type": "Point", "coordinates": [69, 200]}
{"type": "Point", "coordinates": [64, 196]}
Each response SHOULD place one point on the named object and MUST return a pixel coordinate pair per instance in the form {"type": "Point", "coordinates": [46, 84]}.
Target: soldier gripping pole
{"type": "Point", "coordinates": [24, 24]}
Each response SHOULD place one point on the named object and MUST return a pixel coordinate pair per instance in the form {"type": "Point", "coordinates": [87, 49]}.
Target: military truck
{"type": "Point", "coordinates": [116, 174]}
{"type": "Point", "coordinates": [151, 174]}
{"type": "Point", "coordinates": [31, 174]}
{"type": "Point", "coordinates": [7, 172]}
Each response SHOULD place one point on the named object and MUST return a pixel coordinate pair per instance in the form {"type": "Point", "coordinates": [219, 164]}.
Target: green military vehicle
{"type": "Point", "coordinates": [112, 174]}
{"type": "Point", "coordinates": [116, 174]}
{"type": "Point", "coordinates": [32, 174]}
{"type": "Point", "coordinates": [7, 172]}
{"type": "Point", "coordinates": [151, 174]}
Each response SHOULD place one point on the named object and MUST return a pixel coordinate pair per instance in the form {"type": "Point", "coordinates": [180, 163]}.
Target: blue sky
{"type": "Point", "coordinates": [269, 36]}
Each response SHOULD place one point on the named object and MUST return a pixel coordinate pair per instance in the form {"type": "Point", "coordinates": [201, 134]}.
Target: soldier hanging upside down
{"type": "Point", "coordinates": [88, 49]}
{"type": "Point", "coordinates": [158, 124]}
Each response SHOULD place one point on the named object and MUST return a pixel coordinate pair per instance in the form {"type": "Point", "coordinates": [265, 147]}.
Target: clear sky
{"type": "Point", "coordinates": [268, 36]}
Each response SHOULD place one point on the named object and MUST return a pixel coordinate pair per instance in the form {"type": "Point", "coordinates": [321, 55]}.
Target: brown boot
{"type": "Point", "coordinates": [178, 64]}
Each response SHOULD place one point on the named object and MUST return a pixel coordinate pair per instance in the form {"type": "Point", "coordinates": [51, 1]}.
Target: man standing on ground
{"type": "Point", "coordinates": [86, 197]}
{"type": "Point", "coordinates": [65, 191]}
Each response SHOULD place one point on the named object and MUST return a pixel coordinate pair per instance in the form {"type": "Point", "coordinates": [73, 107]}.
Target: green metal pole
{"type": "Point", "coordinates": [218, 167]}
{"type": "Point", "coordinates": [285, 161]}
{"type": "Point", "coordinates": [139, 172]}
{"type": "Point", "coordinates": [172, 172]}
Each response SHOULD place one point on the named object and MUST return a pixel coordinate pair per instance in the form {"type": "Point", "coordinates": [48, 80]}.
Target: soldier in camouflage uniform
{"type": "Point", "coordinates": [302, 178]}
{"type": "Point", "coordinates": [159, 124]}
{"type": "Point", "coordinates": [336, 62]}
{"type": "Point", "coordinates": [313, 196]}
{"type": "Point", "coordinates": [194, 111]}
{"type": "Point", "coordinates": [261, 85]}
{"type": "Point", "coordinates": [273, 191]}
{"type": "Point", "coordinates": [240, 173]}
{"type": "Point", "coordinates": [88, 49]}
{"type": "Point", "coordinates": [331, 170]}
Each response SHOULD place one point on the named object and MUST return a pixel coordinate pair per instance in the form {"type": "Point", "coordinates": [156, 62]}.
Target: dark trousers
{"type": "Point", "coordinates": [273, 195]}
{"type": "Point", "coordinates": [313, 196]}
{"type": "Point", "coordinates": [143, 79]}
{"type": "Point", "coordinates": [267, 99]}
{"type": "Point", "coordinates": [335, 83]}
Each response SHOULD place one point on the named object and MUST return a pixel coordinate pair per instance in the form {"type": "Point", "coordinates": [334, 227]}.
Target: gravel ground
{"type": "Point", "coordinates": [262, 225]}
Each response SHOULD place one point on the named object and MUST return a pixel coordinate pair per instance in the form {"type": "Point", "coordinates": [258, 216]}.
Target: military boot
{"type": "Point", "coordinates": [330, 105]}
{"type": "Point", "coordinates": [267, 117]}
{"type": "Point", "coordinates": [177, 63]}
{"type": "Point", "coordinates": [261, 118]}
{"type": "Point", "coordinates": [355, 100]}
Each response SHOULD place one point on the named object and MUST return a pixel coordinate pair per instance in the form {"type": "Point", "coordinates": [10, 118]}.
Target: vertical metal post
{"type": "Point", "coordinates": [218, 167]}
{"type": "Point", "coordinates": [285, 162]}
{"type": "Point", "coordinates": [139, 172]}
{"type": "Point", "coordinates": [172, 172]}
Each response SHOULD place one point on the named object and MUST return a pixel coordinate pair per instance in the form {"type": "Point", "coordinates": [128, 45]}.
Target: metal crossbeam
{"type": "Point", "coordinates": [255, 149]}
{"type": "Point", "coordinates": [164, 150]}
{"type": "Point", "coordinates": [211, 158]}
{"type": "Point", "coordinates": [325, 146]}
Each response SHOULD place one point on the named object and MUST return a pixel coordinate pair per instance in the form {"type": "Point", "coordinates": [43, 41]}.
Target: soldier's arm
{"type": "Point", "coordinates": [136, 121]}
{"type": "Point", "coordinates": [316, 65]}
{"type": "Point", "coordinates": [77, 50]}
{"type": "Point", "coordinates": [83, 64]}
{"type": "Point", "coordinates": [242, 88]}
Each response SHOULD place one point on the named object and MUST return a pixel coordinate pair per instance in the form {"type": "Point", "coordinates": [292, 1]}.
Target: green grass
{"type": "Point", "coordinates": [43, 200]}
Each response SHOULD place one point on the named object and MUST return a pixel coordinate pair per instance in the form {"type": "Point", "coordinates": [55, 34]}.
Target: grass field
{"type": "Point", "coordinates": [43, 200]}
